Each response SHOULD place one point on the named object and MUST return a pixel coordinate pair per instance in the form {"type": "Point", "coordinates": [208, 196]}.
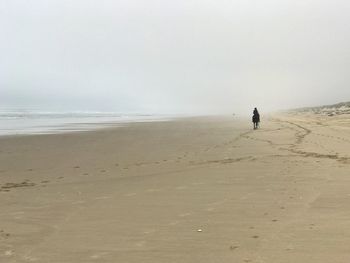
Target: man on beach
{"type": "Point", "coordinates": [256, 118]}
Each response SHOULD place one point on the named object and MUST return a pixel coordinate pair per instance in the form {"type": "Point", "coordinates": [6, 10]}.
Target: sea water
{"type": "Point", "coordinates": [28, 121]}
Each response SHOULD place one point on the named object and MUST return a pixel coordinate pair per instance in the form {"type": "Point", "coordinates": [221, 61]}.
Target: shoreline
{"type": "Point", "coordinates": [69, 128]}
{"type": "Point", "coordinates": [77, 126]}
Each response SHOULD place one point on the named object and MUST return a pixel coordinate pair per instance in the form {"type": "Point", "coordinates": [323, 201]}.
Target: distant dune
{"type": "Point", "coordinates": [329, 110]}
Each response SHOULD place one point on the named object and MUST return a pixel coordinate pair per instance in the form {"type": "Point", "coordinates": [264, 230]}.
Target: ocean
{"type": "Point", "coordinates": [26, 121]}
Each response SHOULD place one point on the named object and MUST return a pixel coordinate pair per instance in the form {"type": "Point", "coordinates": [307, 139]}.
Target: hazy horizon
{"type": "Point", "coordinates": [168, 57]}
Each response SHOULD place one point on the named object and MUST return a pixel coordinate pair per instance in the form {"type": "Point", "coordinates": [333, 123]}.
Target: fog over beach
{"type": "Point", "coordinates": [126, 131]}
{"type": "Point", "coordinates": [173, 57]}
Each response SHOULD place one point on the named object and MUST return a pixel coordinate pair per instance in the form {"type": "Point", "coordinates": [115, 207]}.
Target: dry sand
{"type": "Point", "coordinates": [192, 190]}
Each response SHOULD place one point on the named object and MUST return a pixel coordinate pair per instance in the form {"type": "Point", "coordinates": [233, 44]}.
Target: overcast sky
{"type": "Point", "coordinates": [174, 56]}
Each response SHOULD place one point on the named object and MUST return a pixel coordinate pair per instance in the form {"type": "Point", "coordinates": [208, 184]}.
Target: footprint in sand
{"type": "Point", "coordinates": [8, 186]}
{"type": "Point", "coordinates": [289, 248]}
{"type": "Point", "coordinates": [8, 253]}
{"type": "Point", "coordinates": [4, 235]}
{"type": "Point", "coordinates": [233, 247]}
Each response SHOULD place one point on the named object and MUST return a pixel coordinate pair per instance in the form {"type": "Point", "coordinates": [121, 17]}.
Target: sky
{"type": "Point", "coordinates": [165, 56]}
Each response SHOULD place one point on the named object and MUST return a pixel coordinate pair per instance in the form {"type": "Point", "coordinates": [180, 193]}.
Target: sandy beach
{"type": "Point", "coordinates": [207, 189]}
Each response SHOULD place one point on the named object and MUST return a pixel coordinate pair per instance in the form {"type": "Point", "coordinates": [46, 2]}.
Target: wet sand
{"type": "Point", "coordinates": [190, 190]}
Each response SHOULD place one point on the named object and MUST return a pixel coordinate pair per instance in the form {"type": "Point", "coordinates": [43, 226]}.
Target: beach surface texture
{"type": "Point", "coordinates": [207, 189]}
